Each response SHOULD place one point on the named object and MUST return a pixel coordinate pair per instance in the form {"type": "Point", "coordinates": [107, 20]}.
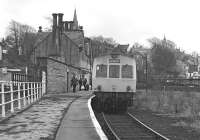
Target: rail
{"type": "Point", "coordinates": [17, 95]}
{"type": "Point", "coordinates": [159, 136]}
{"type": "Point", "coordinates": [110, 128]}
{"type": "Point", "coordinates": [117, 123]}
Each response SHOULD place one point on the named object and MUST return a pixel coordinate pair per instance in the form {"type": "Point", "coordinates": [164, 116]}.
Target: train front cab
{"type": "Point", "coordinates": [117, 100]}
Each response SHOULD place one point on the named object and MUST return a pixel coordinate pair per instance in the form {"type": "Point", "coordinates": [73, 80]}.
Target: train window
{"type": "Point", "coordinates": [114, 71]}
{"type": "Point", "coordinates": [127, 71]}
{"type": "Point", "coordinates": [101, 70]}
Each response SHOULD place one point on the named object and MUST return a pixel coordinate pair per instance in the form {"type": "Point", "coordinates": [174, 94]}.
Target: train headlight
{"type": "Point", "coordinates": [128, 88]}
{"type": "Point", "coordinates": [99, 87]}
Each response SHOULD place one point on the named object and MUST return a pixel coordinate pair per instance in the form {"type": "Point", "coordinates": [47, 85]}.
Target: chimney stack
{"type": "Point", "coordinates": [52, 48]}
{"type": "Point", "coordinates": [60, 21]}
{"type": "Point", "coordinates": [60, 30]}
{"type": "Point", "coordinates": [54, 22]}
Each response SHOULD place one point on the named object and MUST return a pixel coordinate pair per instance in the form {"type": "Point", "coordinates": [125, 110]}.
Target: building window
{"type": "Point", "coordinates": [127, 71]}
{"type": "Point", "coordinates": [101, 71]}
{"type": "Point", "coordinates": [114, 71]}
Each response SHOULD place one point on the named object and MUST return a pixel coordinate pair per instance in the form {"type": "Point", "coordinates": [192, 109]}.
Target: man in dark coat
{"type": "Point", "coordinates": [74, 81]}
{"type": "Point", "coordinates": [84, 83]}
{"type": "Point", "coordinates": [80, 83]}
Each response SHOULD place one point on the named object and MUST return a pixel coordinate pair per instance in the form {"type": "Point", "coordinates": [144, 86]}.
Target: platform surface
{"type": "Point", "coordinates": [77, 123]}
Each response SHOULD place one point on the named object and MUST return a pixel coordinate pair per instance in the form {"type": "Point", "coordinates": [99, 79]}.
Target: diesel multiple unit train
{"type": "Point", "coordinates": [114, 81]}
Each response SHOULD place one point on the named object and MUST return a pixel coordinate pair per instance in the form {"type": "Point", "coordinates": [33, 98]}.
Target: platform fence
{"type": "Point", "coordinates": [17, 95]}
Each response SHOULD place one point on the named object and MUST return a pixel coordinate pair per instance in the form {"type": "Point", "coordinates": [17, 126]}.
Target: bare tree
{"type": "Point", "coordinates": [18, 31]}
{"type": "Point", "coordinates": [102, 39]}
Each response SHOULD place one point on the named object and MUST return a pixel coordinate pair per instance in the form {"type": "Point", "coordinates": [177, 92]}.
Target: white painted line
{"type": "Point", "coordinates": [95, 122]}
{"type": "Point", "coordinates": [148, 127]}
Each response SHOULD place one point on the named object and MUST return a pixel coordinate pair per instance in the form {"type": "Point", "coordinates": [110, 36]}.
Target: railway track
{"type": "Point", "coordinates": [127, 127]}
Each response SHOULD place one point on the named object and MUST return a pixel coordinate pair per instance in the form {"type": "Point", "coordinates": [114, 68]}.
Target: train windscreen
{"type": "Point", "coordinates": [127, 71]}
{"type": "Point", "coordinates": [101, 71]}
{"type": "Point", "coordinates": [114, 71]}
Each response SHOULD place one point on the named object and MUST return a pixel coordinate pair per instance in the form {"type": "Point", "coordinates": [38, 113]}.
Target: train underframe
{"type": "Point", "coordinates": [112, 102]}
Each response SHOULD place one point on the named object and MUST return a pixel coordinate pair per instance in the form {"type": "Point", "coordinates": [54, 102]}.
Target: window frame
{"type": "Point", "coordinates": [106, 71]}
{"type": "Point", "coordinates": [132, 69]}
{"type": "Point", "coordinates": [119, 77]}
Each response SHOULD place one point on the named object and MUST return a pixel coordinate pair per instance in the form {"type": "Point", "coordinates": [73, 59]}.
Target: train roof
{"type": "Point", "coordinates": [116, 51]}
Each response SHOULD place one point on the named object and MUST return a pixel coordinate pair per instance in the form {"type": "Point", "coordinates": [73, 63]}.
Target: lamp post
{"type": "Point", "coordinates": [146, 72]}
{"type": "Point", "coordinates": [67, 79]}
{"type": "Point", "coordinates": [90, 60]}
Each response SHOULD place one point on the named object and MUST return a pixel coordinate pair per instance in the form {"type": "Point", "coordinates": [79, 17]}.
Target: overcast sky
{"type": "Point", "coordinates": [127, 21]}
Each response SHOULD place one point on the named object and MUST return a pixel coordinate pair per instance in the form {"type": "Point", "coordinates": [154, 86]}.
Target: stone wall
{"type": "Point", "coordinates": [56, 77]}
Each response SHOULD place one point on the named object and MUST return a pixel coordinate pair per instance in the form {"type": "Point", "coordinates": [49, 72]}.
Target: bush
{"type": "Point", "coordinates": [185, 104]}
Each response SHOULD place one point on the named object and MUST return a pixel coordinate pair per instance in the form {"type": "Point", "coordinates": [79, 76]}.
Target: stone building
{"type": "Point", "coordinates": [61, 54]}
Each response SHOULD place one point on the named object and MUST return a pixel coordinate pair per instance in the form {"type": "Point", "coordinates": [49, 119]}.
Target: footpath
{"type": "Point", "coordinates": [42, 120]}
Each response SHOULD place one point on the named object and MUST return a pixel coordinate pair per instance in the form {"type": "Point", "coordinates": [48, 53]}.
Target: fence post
{"type": "Point", "coordinates": [37, 90]}
{"type": "Point", "coordinates": [34, 89]}
{"type": "Point", "coordinates": [43, 88]}
{"type": "Point", "coordinates": [11, 97]}
{"type": "Point", "coordinates": [24, 94]}
{"type": "Point", "coordinates": [3, 100]}
{"type": "Point", "coordinates": [19, 98]}
{"type": "Point", "coordinates": [31, 92]}
{"type": "Point", "coordinates": [40, 89]}
{"type": "Point", "coordinates": [28, 89]}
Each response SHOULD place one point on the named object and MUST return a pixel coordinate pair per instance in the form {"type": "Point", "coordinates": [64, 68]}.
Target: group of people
{"type": "Point", "coordinates": [82, 82]}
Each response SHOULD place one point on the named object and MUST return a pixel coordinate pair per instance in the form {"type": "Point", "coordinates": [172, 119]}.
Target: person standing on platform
{"type": "Point", "coordinates": [84, 83]}
{"type": "Point", "coordinates": [74, 81]}
{"type": "Point", "coordinates": [80, 82]}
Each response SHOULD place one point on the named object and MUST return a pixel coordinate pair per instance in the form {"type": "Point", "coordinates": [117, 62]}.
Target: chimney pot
{"type": "Point", "coordinates": [54, 19]}
{"type": "Point", "coordinates": [66, 25]}
{"type": "Point", "coordinates": [60, 21]}
{"type": "Point", "coordinates": [52, 49]}
{"type": "Point", "coordinates": [40, 29]}
{"type": "Point", "coordinates": [81, 27]}
{"type": "Point", "coordinates": [60, 29]}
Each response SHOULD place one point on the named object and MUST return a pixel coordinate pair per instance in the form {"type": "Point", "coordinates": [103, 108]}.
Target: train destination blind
{"type": "Point", "coordinates": [114, 60]}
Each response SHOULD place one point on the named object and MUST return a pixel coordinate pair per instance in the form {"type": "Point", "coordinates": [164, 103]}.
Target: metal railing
{"type": "Point", "coordinates": [17, 95]}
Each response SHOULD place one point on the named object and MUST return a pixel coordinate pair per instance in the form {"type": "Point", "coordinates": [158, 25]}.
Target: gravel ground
{"type": "Point", "coordinates": [166, 125]}
{"type": "Point", "coordinates": [39, 122]}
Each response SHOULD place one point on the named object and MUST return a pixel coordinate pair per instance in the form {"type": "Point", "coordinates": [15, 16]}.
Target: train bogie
{"type": "Point", "coordinates": [113, 102]}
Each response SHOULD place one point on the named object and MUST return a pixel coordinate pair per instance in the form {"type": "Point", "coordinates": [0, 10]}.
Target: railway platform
{"type": "Point", "coordinates": [79, 122]}
{"type": "Point", "coordinates": [42, 120]}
